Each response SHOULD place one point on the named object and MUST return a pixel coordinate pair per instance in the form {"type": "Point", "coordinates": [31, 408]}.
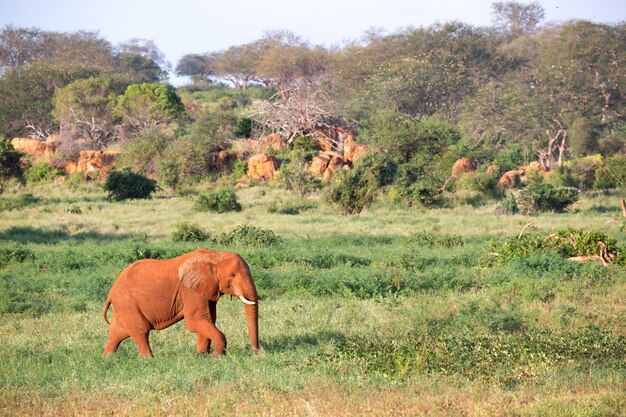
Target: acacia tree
{"type": "Point", "coordinates": [515, 18]}
{"type": "Point", "coordinates": [149, 105]}
{"type": "Point", "coordinates": [84, 110]}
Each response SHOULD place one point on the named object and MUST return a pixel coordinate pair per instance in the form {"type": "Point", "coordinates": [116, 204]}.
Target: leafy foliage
{"type": "Point", "coordinates": [546, 197]}
{"type": "Point", "coordinates": [9, 162]}
{"type": "Point", "coordinates": [353, 190]}
{"type": "Point", "coordinates": [188, 232]}
{"type": "Point", "coordinates": [148, 105]}
{"type": "Point", "coordinates": [42, 172]}
{"type": "Point", "coordinates": [124, 184]}
{"type": "Point", "coordinates": [221, 200]}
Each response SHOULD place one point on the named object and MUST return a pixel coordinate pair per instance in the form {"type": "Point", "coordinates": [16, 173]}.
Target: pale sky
{"type": "Point", "coordinates": [195, 26]}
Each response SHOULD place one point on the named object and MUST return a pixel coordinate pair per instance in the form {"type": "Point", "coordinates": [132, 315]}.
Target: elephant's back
{"type": "Point", "coordinates": [146, 275]}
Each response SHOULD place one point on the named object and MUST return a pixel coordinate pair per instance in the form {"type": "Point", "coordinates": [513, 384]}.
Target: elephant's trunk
{"type": "Point", "coordinates": [252, 319]}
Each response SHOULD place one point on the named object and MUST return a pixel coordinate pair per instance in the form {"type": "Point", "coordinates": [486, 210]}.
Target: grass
{"type": "Point", "coordinates": [392, 312]}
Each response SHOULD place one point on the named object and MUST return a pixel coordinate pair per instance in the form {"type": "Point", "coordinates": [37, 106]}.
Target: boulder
{"type": "Point", "coordinates": [319, 164]}
{"type": "Point", "coordinates": [94, 164]}
{"type": "Point", "coordinates": [510, 178]}
{"type": "Point", "coordinates": [273, 141]}
{"type": "Point", "coordinates": [323, 141]}
{"type": "Point", "coordinates": [461, 167]}
{"type": "Point", "coordinates": [352, 151]}
{"type": "Point", "coordinates": [262, 166]}
{"type": "Point", "coordinates": [29, 146]}
{"type": "Point", "coordinates": [335, 163]}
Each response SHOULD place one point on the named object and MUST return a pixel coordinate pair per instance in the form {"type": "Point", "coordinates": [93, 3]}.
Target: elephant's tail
{"type": "Point", "coordinates": [106, 308]}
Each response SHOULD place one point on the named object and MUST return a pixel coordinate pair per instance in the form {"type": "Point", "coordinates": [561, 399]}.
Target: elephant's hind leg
{"type": "Point", "coordinates": [143, 344]}
{"type": "Point", "coordinates": [116, 334]}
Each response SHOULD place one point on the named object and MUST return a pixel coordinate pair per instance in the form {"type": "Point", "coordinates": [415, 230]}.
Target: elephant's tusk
{"type": "Point", "coordinates": [245, 300]}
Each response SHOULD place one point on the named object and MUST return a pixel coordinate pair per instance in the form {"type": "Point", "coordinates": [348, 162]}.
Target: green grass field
{"type": "Point", "coordinates": [392, 312]}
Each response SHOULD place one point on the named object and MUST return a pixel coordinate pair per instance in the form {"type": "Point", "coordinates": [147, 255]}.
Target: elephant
{"type": "Point", "coordinates": [153, 294]}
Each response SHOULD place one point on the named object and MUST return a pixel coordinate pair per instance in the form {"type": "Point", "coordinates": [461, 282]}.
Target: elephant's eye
{"type": "Point", "coordinates": [232, 275]}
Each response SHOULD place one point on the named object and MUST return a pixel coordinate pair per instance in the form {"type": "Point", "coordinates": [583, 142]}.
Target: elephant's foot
{"type": "Point", "coordinates": [219, 352]}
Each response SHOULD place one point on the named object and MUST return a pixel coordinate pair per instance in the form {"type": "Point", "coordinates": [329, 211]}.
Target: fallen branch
{"type": "Point", "coordinates": [523, 230]}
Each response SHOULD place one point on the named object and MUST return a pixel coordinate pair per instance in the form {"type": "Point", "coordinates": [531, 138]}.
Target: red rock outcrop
{"type": "Point", "coordinates": [94, 164]}
{"type": "Point", "coordinates": [262, 166]}
{"type": "Point", "coordinates": [273, 141]}
{"type": "Point", "coordinates": [29, 146]}
{"type": "Point", "coordinates": [461, 167]}
{"type": "Point", "coordinates": [352, 150]}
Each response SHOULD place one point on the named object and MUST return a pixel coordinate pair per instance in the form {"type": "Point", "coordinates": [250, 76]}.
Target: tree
{"type": "Point", "coordinates": [19, 46]}
{"type": "Point", "coordinates": [143, 59]}
{"type": "Point", "coordinates": [84, 110]}
{"type": "Point", "coordinates": [9, 162]}
{"type": "Point", "coordinates": [200, 67]}
{"type": "Point", "coordinates": [149, 105]}
{"type": "Point", "coordinates": [516, 18]}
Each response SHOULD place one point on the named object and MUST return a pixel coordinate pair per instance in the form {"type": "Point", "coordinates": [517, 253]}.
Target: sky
{"type": "Point", "coordinates": [181, 27]}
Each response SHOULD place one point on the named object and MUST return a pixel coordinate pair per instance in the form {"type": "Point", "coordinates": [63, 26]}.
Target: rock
{"type": "Point", "coordinates": [273, 141]}
{"type": "Point", "coordinates": [324, 142]}
{"type": "Point", "coordinates": [461, 167]}
{"type": "Point", "coordinates": [510, 178]}
{"type": "Point", "coordinates": [353, 151]}
{"type": "Point", "coordinates": [94, 164]}
{"type": "Point", "coordinates": [319, 164]}
{"type": "Point", "coordinates": [492, 169]}
{"type": "Point", "coordinates": [335, 163]}
{"type": "Point", "coordinates": [31, 147]}
{"type": "Point", "coordinates": [262, 166]}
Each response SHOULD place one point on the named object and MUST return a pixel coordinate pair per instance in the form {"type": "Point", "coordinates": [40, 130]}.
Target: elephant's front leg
{"type": "Point", "coordinates": [204, 343]}
{"type": "Point", "coordinates": [207, 332]}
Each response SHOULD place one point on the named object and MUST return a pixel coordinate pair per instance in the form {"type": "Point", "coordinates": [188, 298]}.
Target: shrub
{"type": "Point", "coordinates": [142, 152]}
{"type": "Point", "coordinates": [508, 205]}
{"type": "Point", "coordinates": [357, 188]}
{"type": "Point", "coordinates": [187, 232]}
{"type": "Point", "coordinates": [42, 172]}
{"type": "Point", "coordinates": [546, 197]}
{"type": "Point", "coordinates": [298, 179]}
{"type": "Point", "coordinates": [125, 184]}
{"type": "Point", "coordinates": [221, 200]}
{"type": "Point", "coordinates": [612, 173]}
{"type": "Point", "coordinates": [240, 168]}
{"type": "Point", "coordinates": [169, 174]}
{"type": "Point", "coordinates": [485, 184]}
{"type": "Point", "coordinates": [246, 235]}
{"type": "Point", "coordinates": [9, 162]}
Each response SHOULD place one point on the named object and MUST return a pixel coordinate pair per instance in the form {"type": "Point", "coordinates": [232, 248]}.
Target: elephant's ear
{"type": "Point", "coordinates": [198, 273]}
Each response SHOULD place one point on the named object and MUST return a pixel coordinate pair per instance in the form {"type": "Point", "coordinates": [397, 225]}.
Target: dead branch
{"type": "Point", "coordinates": [523, 230]}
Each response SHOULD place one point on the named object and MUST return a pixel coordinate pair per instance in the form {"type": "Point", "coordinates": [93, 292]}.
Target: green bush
{"type": "Point", "coordinates": [187, 232]}
{"type": "Point", "coordinates": [125, 184]}
{"type": "Point", "coordinates": [357, 188]}
{"type": "Point", "coordinates": [42, 172]}
{"type": "Point", "coordinates": [142, 153]}
{"type": "Point", "coordinates": [9, 162]}
{"type": "Point", "coordinates": [546, 197]}
{"type": "Point", "coordinates": [612, 173]}
{"type": "Point", "coordinates": [566, 242]}
{"type": "Point", "coordinates": [246, 235]}
{"type": "Point", "coordinates": [297, 178]}
{"type": "Point", "coordinates": [240, 168]}
{"type": "Point", "coordinates": [221, 200]}
{"type": "Point", "coordinates": [483, 183]}
{"type": "Point", "coordinates": [508, 205]}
